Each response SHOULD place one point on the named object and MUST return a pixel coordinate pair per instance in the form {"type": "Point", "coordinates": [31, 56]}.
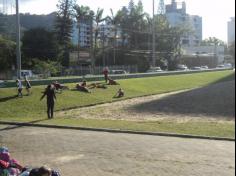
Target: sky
{"type": "Point", "coordinates": [215, 13]}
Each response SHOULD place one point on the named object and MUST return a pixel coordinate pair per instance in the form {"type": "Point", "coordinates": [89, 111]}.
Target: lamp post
{"type": "Point", "coordinates": [18, 50]}
{"type": "Point", "coordinates": [153, 36]}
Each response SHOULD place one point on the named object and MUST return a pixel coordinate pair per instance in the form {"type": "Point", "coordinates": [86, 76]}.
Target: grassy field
{"type": "Point", "coordinates": [29, 108]}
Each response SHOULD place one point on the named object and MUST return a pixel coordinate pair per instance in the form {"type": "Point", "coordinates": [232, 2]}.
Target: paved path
{"type": "Point", "coordinates": [82, 153]}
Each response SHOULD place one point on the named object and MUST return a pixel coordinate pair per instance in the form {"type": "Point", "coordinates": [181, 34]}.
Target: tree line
{"type": "Point", "coordinates": [135, 39]}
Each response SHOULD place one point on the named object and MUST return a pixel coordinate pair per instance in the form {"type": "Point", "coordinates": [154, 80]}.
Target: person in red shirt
{"type": "Point", "coordinates": [82, 87]}
{"type": "Point", "coordinates": [105, 73]}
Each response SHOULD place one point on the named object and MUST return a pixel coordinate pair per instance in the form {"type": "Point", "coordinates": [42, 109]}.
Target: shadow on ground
{"type": "Point", "coordinates": [215, 100]}
{"type": "Point", "coordinates": [8, 98]}
{"type": "Point", "coordinates": [12, 127]}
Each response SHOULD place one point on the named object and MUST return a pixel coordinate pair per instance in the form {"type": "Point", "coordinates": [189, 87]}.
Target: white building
{"type": "Point", "coordinates": [231, 30]}
{"type": "Point", "coordinates": [177, 16]}
{"type": "Point", "coordinates": [108, 31]}
{"type": "Point", "coordinates": [82, 35]}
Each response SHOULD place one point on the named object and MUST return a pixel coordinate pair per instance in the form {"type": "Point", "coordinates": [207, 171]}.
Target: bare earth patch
{"type": "Point", "coordinates": [215, 101]}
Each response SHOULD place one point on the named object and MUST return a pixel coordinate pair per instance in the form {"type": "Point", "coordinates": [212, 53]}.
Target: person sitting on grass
{"type": "Point", "coordinates": [97, 85]}
{"type": "Point", "coordinates": [120, 93]}
{"type": "Point", "coordinates": [59, 86]}
{"type": "Point", "coordinates": [112, 82]}
{"type": "Point", "coordinates": [82, 87]}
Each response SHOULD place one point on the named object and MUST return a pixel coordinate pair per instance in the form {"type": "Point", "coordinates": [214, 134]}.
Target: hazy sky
{"type": "Point", "coordinates": [215, 13]}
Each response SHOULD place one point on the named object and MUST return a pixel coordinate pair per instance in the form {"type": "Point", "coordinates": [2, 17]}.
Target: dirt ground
{"type": "Point", "coordinates": [212, 102]}
{"type": "Point", "coordinates": [86, 153]}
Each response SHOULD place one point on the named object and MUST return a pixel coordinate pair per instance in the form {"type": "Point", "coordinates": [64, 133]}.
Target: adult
{"type": "Point", "coordinates": [97, 85]}
{"type": "Point", "coordinates": [112, 82]}
{"type": "Point", "coordinates": [105, 73]}
{"type": "Point", "coordinates": [50, 93]}
{"type": "Point", "coordinates": [59, 86]}
{"type": "Point", "coordinates": [82, 87]}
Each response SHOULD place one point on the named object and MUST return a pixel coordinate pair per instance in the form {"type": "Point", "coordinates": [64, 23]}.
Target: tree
{"type": "Point", "coordinates": [47, 68]}
{"type": "Point", "coordinates": [115, 21]}
{"type": "Point", "coordinates": [39, 43]}
{"type": "Point", "coordinates": [7, 54]}
{"type": "Point", "coordinates": [64, 26]}
{"type": "Point", "coordinates": [213, 41]}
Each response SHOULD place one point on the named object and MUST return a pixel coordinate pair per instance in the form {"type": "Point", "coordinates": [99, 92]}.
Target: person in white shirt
{"type": "Point", "coordinates": [19, 87]}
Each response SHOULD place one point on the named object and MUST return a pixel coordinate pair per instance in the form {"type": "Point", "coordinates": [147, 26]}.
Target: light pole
{"type": "Point", "coordinates": [153, 37]}
{"type": "Point", "coordinates": [18, 51]}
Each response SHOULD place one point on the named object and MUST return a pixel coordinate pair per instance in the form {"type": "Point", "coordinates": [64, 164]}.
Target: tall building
{"type": "Point", "coordinates": [177, 16]}
{"type": "Point", "coordinates": [82, 35]}
{"type": "Point", "coordinates": [231, 30]}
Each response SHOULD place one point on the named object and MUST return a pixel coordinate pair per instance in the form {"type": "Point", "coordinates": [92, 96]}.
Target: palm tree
{"type": "Point", "coordinates": [115, 21]}
{"type": "Point", "coordinates": [98, 19]}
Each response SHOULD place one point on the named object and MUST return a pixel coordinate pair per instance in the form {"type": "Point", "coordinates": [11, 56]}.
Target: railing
{"type": "Point", "coordinates": [76, 79]}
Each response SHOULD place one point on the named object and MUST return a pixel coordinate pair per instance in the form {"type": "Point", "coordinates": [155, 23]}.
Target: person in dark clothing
{"type": "Point", "coordinates": [105, 73]}
{"type": "Point", "coordinates": [50, 92]}
{"type": "Point", "coordinates": [112, 82]}
{"type": "Point", "coordinates": [27, 85]}
{"type": "Point", "coordinates": [43, 171]}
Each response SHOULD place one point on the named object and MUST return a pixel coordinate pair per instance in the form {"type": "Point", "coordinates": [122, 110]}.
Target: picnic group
{"type": "Point", "coordinates": [56, 87]}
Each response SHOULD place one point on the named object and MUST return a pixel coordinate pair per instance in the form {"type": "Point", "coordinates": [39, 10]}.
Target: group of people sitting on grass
{"type": "Point", "coordinates": [84, 87]}
{"type": "Point", "coordinates": [11, 167]}
{"type": "Point", "coordinates": [58, 87]}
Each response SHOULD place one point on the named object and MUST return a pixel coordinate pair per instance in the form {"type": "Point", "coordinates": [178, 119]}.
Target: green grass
{"type": "Point", "coordinates": [203, 127]}
{"type": "Point", "coordinates": [29, 108]}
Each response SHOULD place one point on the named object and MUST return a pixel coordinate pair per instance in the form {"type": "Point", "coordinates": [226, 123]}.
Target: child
{"type": "Point", "coordinates": [27, 85]}
{"type": "Point", "coordinates": [120, 93]}
{"type": "Point", "coordinates": [43, 171]}
{"type": "Point", "coordinates": [19, 87]}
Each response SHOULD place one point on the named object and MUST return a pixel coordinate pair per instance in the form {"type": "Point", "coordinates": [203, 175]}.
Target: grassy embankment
{"type": "Point", "coordinates": [29, 108]}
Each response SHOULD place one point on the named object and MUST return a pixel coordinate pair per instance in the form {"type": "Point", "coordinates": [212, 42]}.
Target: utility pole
{"type": "Point", "coordinates": [18, 51]}
{"type": "Point", "coordinates": [153, 37]}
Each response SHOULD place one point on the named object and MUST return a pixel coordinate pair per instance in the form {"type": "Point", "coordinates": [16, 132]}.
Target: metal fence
{"type": "Point", "coordinates": [87, 70]}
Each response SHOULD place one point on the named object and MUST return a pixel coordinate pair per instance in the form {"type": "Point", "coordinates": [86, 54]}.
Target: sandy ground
{"type": "Point", "coordinates": [212, 102]}
{"type": "Point", "coordinates": [86, 153]}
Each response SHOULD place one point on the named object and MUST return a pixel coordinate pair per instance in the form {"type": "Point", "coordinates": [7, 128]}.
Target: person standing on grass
{"type": "Point", "coordinates": [27, 85]}
{"type": "Point", "coordinates": [19, 87]}
{"type": "Point", "coordinates": [51, 97]}
{"type": "Point", "coordinates": [105, 73]}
